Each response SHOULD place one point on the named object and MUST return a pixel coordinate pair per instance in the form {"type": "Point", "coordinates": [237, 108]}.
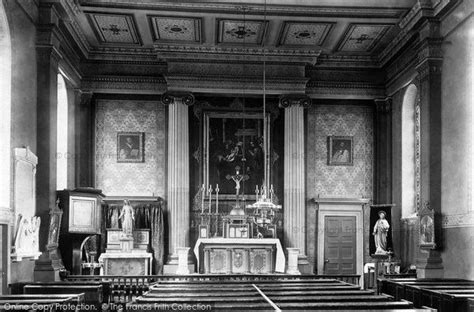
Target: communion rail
{"type": "Point", "coordinates": [125, 289]}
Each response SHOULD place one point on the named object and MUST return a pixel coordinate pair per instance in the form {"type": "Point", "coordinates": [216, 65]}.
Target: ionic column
{"type": "Point", "coordinates": [178, 172]}
{"type": "Point", "coordinates": [294, 211]}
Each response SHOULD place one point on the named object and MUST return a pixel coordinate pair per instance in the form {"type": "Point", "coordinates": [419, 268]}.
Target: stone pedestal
{"type": "Point", "coordinates": [178, 174]}
{"type": "Point", "coordinates": [429, 264]}
{"type": "Point", "coordinates": [379, 259]}
{"type": "Point", "coordinates": [294, 206]}
{"type": "Point", "coordinates": [182, 260]}
{"type": "Point", "coordinates": [292, 261]}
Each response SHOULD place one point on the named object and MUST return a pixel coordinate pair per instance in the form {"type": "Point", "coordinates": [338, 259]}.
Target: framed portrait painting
{"type": "Point", "coordinates": [130, 147]}
{"type": "Point", "coordinates": [340, 151]}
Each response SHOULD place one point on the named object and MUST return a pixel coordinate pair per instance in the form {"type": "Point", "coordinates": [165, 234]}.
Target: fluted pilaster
{"type": "Point", "coordinates": [178, 171]}
{"type": "Point", "coordinates": [294, 177]}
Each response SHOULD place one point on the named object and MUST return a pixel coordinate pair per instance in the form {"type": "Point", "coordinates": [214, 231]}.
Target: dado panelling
{"type": "Point", "coordinates": [130, 179]}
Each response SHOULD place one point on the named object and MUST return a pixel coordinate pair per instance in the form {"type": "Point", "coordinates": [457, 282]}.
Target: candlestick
{"type": "Point", "coordinates": [202, 198]}
{"type": "Point", "coordinates": [210, 198]}
{"type": "Point", "coordinates": [217, 199]}
{"type": "Point", "coordinates": [271, 193]}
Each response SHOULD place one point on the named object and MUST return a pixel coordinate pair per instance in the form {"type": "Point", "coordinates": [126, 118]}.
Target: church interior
{"type": "Point", "coordinates": [237, 154]}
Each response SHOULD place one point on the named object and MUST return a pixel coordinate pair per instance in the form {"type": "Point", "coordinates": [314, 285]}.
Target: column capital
{"type": "Point", "coordinates": [48, 53]}
{"type": "Point", "coordinates": [383, 105]}
{"type": "Point", "coordinates": [84, 97]}
{"type": "Point", "coordinates": [287, 100]}
{"type": "Point", "coordinates": [186, 98]}
{"type": "Point", "coordinates": [429, 67]}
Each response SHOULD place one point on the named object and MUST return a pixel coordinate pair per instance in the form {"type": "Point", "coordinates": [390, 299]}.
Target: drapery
{"type": "Point", "coordinates": [148, 215]}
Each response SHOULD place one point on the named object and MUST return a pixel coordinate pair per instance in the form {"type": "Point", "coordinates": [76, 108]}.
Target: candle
{"type": "Point", "coordinates": [217, 199]}
{"type": "Point", "coordinates": [210, 198]}
{"type": "Point", "coordinates": [256, 191]}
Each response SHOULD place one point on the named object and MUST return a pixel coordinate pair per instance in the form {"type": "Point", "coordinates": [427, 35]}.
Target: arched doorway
{"type": "Point", "coordinates": [5, 138]}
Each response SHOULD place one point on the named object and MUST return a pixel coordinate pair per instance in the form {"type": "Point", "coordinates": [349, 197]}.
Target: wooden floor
{"type": "Point", "coordinates": [247, 295]}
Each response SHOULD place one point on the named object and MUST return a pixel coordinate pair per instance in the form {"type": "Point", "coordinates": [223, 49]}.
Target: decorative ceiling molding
{"type": "Point", "coordinates": [252, 9]}
{"type": "Point", "coordinates": [347, 60]}
{"type": "Point", "coordinates": [295, 33]}
{"type": "Point", "coordinates": [236, 54]}
{"type": "Point", "coordinates": [124, 84]}
{"type": "Point", "coordinates": [338, 89]}
{"type": "Point", "coordinates": [241, 32]}
{"type": "Point", "coordinates": [362, 37]}
{"type": "Point", "coordinates": [238, 85]}
{"type": "Point", "coordinates": [112, 28]}
{"type": "Point", "coordinates": [175, 29]}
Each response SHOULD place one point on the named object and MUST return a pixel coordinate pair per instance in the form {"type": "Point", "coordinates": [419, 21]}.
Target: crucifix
{"type": "Point", "coordinates": [237, 177]}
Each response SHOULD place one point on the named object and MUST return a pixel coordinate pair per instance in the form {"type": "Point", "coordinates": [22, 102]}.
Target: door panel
{"type": "Point", "coordinates": [340, 245]}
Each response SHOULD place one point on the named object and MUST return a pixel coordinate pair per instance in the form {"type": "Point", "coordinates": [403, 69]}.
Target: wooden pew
{"type": "Point", "coordinates": [440, 294]}
{"type": "Point", "coordinates": [93, 294]}
{"type": "Point", "coordinates": [41, 302]}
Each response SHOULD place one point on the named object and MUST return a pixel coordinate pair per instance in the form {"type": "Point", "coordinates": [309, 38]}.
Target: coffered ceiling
{"type": "Point", "coordinates": [331, 27]}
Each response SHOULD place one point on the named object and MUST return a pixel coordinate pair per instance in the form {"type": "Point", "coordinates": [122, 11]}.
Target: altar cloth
{"type": "Point", "coordinates": [280, 256]}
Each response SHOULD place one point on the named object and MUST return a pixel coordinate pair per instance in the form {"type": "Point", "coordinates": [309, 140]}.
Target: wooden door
{"type": "Point", "coordinates": [340, 245]}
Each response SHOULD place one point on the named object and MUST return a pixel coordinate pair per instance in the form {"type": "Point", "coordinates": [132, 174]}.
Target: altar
{"type": "Point", "coordinates": [239, 256]}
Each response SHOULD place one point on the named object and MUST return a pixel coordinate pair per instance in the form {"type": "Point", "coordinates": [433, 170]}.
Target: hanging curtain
{"type": "Point", "coordinates": [148, 215]}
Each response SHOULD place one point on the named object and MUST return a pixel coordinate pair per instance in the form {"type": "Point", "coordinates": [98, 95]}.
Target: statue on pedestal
{"type": "Point", "coordinates": [380, 234]}
{"type": "Point", "coordinates": [127, 217]}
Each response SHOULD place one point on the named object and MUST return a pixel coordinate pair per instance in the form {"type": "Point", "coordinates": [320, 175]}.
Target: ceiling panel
{"type": "Point", "coordinates": [176, 29]}
{"type": "Point", "coordinates": [304, 33]}
{"type": "Point", "coordinates": [114, 28]}
{"type": "Point", "coordinates": [239, 32]}
{"type": "Point", "coordinates": [362, 37]}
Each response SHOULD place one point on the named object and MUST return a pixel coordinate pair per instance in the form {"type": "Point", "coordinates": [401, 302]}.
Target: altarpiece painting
{"type": "Point", "coordinates": [234, 144]}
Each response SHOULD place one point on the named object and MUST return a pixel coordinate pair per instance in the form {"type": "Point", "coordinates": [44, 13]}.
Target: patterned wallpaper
{"type": "Point", "coordinates": [337, 181]}
{"type": "Point", "coordinates": [340, 181]}
{"type": "Point", "coordinates": [130, 179]}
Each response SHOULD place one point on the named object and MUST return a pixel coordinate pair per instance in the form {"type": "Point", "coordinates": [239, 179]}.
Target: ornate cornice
{"type": "Point", "coordinates": [330, 89]}
{"type": "Point", "coordinates": [256, 54]}
{"type": "Point", "coordinates": [251, 9]}
{"type": "Point", "coordinates": [288, 100]}
{"type": "Point", "coordinates": [248, 85]}
{"type": "Point", "coordinates": [124, 84]}
{"type": "Point", "coordinates": [346, 60]}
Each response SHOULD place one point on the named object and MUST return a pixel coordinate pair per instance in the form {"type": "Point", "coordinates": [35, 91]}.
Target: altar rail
{"type": "Point", "coordinates": [126, 288]}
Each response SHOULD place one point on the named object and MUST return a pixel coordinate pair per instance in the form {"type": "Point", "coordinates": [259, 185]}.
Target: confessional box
{"type": "Point", "coordinates": [82, 217]}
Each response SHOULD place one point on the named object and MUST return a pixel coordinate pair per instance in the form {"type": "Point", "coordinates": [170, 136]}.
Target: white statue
{"type": "Point", "coordinates": [127, 217]}
{"type": "Point", "coordinates": [380, 234]}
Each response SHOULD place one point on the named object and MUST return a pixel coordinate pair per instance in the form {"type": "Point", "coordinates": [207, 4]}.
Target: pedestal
{"type": "Point", "coordinates": [292, 261]}
{"type": "Point", "coordinates": [429, 264]}
{"type": "Point", "coordinates": [126, 243]}
{"type": "Point", "coordinates": [379, 258]}
{"type": "Point", "coordinates": [182, 260]}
